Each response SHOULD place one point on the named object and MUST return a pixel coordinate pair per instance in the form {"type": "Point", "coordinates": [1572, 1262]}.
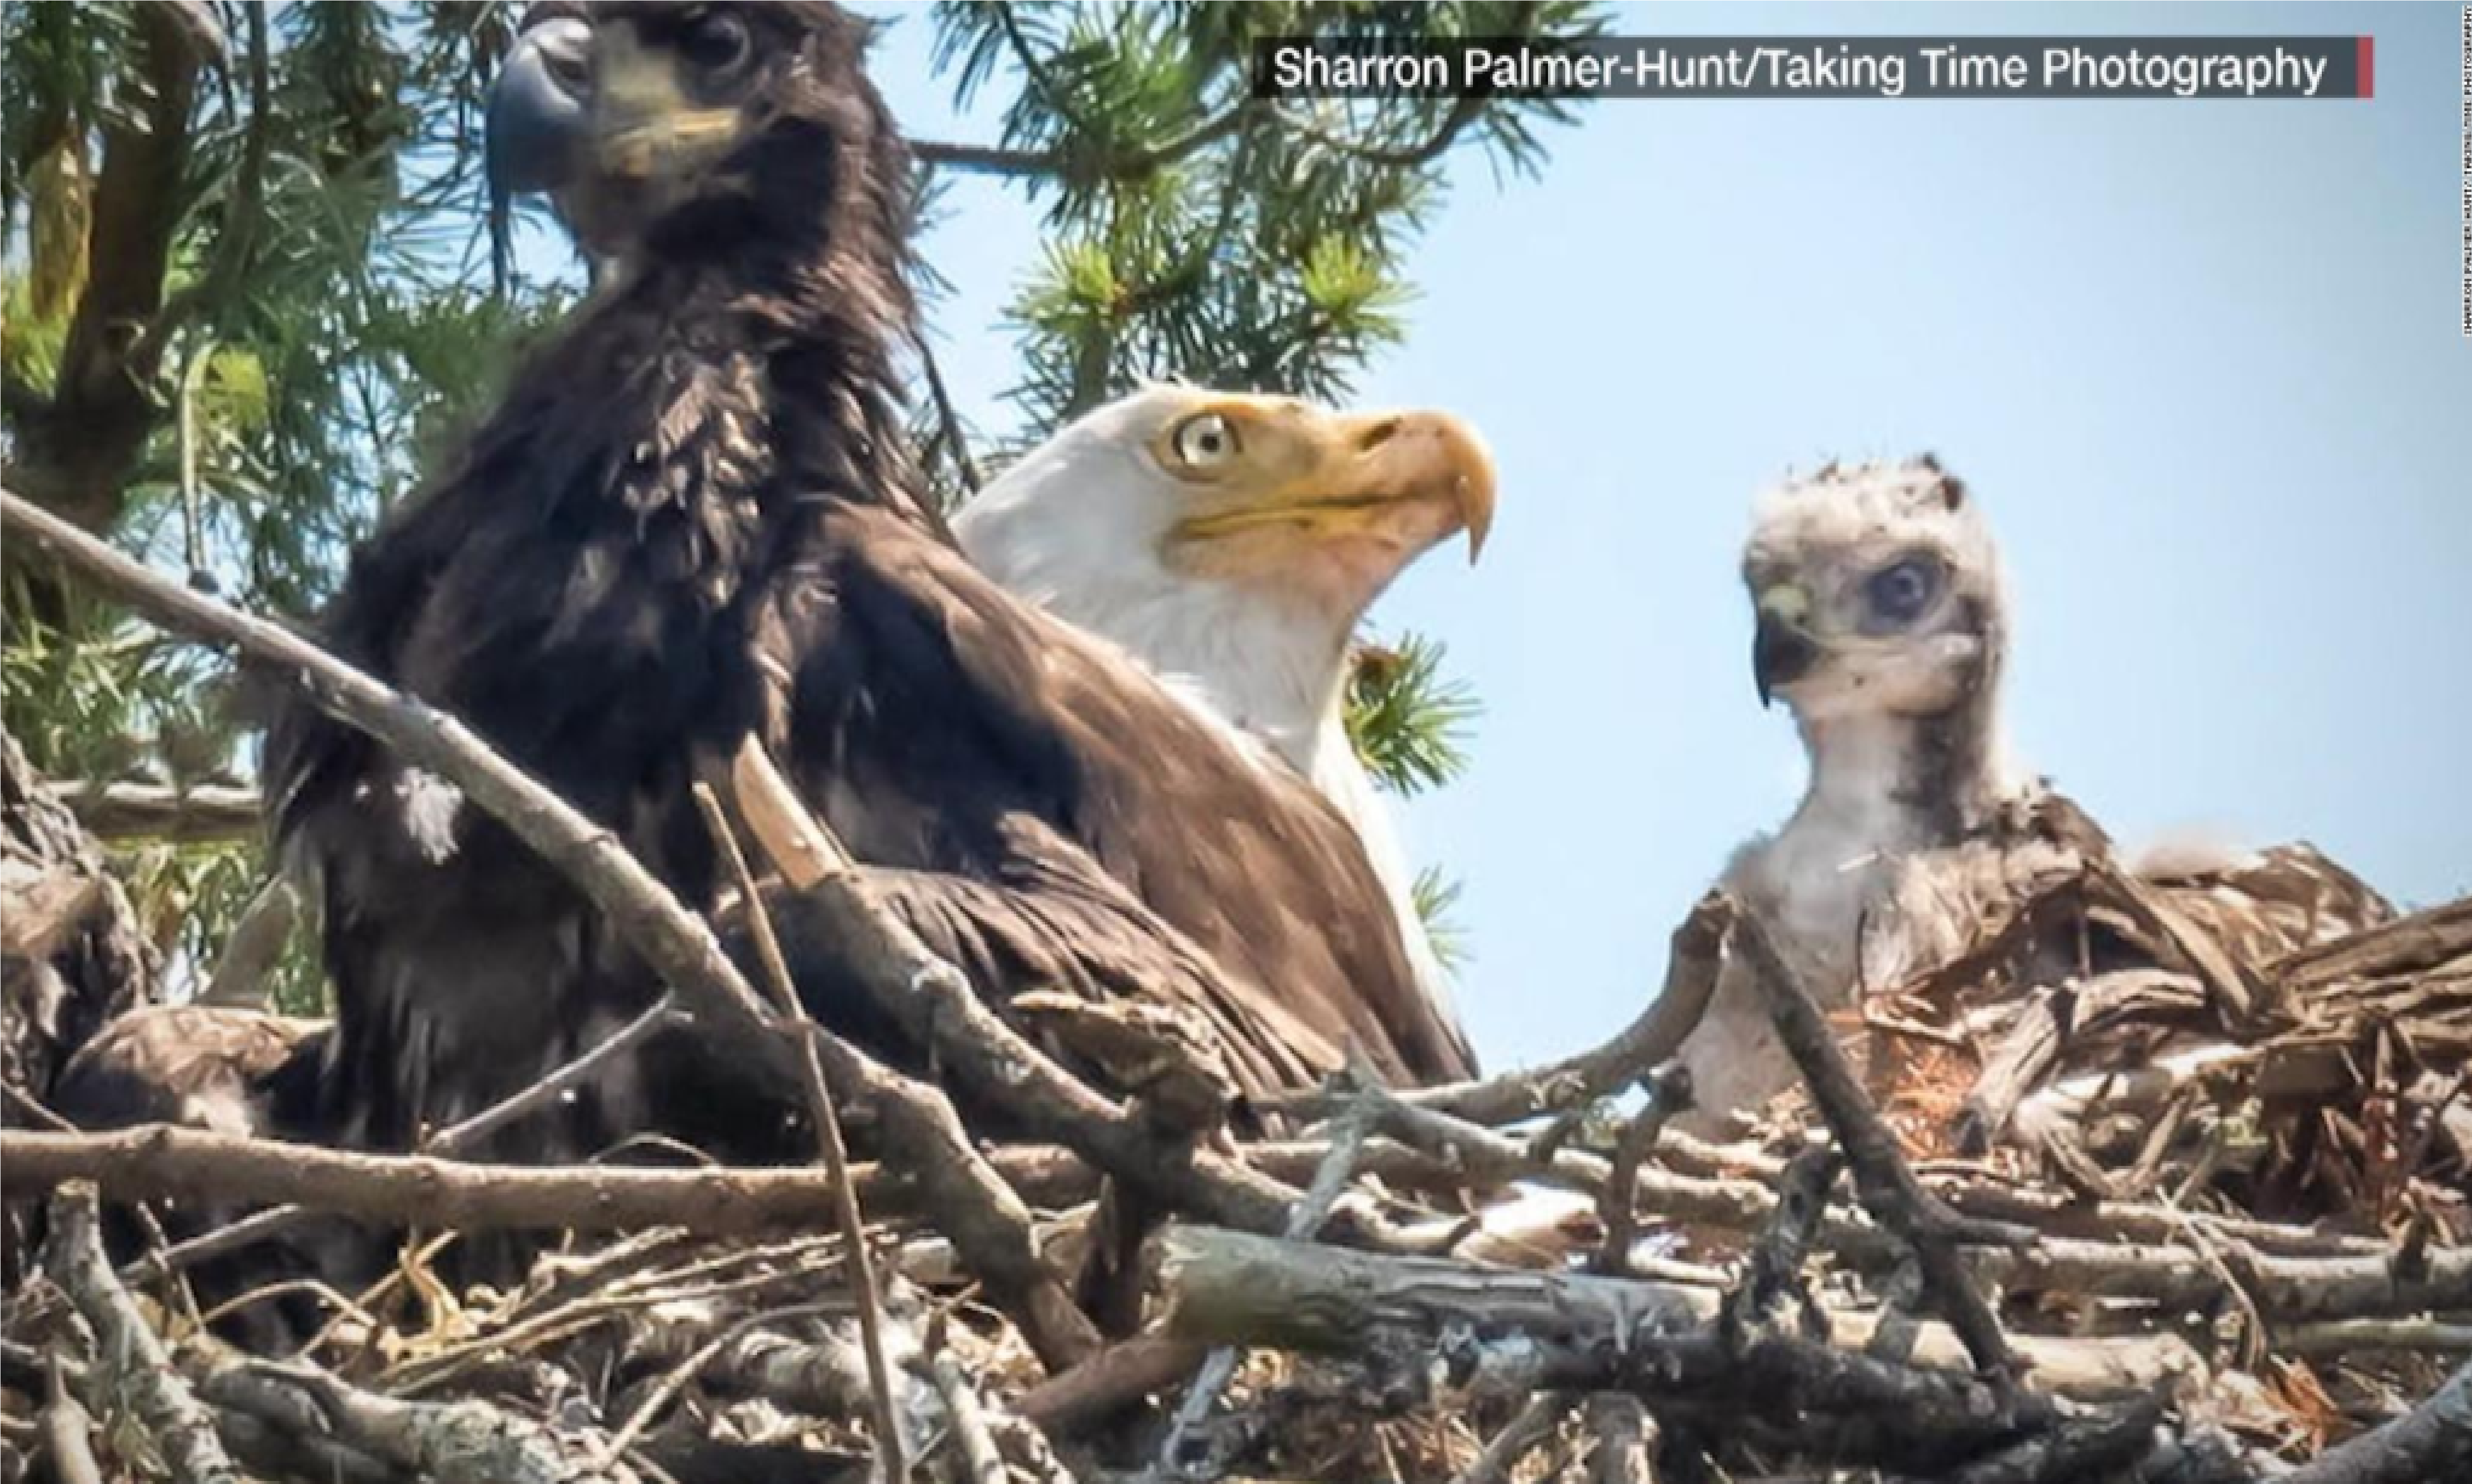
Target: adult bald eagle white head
{"type": "Point", "coordinates": [1883, 624]}
{"type": "Point", "coordinates": [1232, 543]}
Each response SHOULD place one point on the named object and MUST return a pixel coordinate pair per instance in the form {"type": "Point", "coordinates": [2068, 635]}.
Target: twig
{"type": "Point", "coordinates": [933, 1002]}
{"type": "Point", "coordinates": [983, 158]}
{"type": "Point", "coordinates": [341, 1303]}
{"type": "Point", "coordinates": [948, 418]}
{"type": "Point", "coordinates": [64, 1429]}
{"type": "Point", "coordinates": [1885, 1183]}
{"type": "Point", "coordinates": [674, 942]}
{"type": "Point", "coordinates": [828, 1137]}
{"type": "Point", "coordinates": [1620, 1425]}
{"type": "Point", "coordinates": [264, 1225]}
{"type": "Point", "coordinates": [1518, 1437]}
{"type": "Point", "coordinates": [678, 1377]}
{"type": "Point", "coordinates": [982, 1463]}
{"type": "Point", "coordinates": [1669, 1092]}
{"type": "Point", "coordinates": [141, 1369]}
{"type": "Point", "coordinates": [2432, 1441]}
{"type": "Point", "coordinates": [661, 1015]}
{"type": "Point", "coordinates": [1346, 1146]}
{"type": "Point", "coordinates": [30, 1106]}
{"type": "Point", "coordinates": [1691, 966]}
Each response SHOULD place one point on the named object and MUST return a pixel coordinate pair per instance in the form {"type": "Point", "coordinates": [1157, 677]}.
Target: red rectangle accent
{"type": "Point", "coordinates": [2368, 68]}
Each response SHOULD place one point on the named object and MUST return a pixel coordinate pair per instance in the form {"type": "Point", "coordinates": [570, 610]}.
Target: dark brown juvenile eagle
{"type": "Point", "coordinates": [694, 518]}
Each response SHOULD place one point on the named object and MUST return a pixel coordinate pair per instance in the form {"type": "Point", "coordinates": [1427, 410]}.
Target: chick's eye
{"type": "Point", "coordinates": [1899, 592]}
{"type": "Point", "coordinates": [1207, 442]}
{"type": "Point", "coordinates": [715, 41]}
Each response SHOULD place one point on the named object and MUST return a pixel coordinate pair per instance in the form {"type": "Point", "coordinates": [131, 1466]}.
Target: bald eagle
{"type": "Point", "coordinates": [694, 519]}
{"type": "Point", "coordinates": [1232, 543]}
{"type": "Point", "coordinates": [1882, 624]}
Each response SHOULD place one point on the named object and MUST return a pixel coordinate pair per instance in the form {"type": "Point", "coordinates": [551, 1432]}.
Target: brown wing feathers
{"type": "Point", "coordinates": [1126, 830]}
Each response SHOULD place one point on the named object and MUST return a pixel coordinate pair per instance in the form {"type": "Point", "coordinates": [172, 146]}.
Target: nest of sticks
{"type": "Point", "coordinates": [2204, 1220]}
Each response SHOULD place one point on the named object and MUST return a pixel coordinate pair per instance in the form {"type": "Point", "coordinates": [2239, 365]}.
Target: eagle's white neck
{"type": "Point", "coordinates": [1267, 668]}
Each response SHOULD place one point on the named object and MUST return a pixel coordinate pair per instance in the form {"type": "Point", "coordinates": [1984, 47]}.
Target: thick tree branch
{"type": "Point", "coordinates": [123, 811]}
{"type": "Point", "coordinates": [1493, 1330]}
{"type": "Point", "coordinates": [159, 1160]}
{"type": "Point", "coordinates": [77, 451]}
{"type": "Point", "coordinates": [236, 245]}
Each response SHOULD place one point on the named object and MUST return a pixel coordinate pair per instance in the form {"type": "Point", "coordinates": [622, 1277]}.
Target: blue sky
{"type": "Point", "coordinates": [2201, 361]}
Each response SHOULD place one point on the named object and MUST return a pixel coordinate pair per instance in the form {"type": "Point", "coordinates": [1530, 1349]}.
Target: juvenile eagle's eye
{"type": "Point", "coordinates": [1897, 593]}
{"type": "Point", "coordinates": [1206, 443]}
{"type": "Point", "coordinates": [714, 42]}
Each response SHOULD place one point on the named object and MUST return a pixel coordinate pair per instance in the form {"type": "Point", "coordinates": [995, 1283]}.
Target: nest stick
{"type": "Point", "coordinates": [860, 1263]}
{"type": "Point", "coordinates": [64, 1423]}
{"type": "Point", "coordinates": [1690, 981]}
{"type": "Point", "coordinates": [1885, 1182]}
{"type": "Point", "coordinates": [932, 1001]}
{"type": "Point", "coordinates": [1669, 1092]}
{"type": "Point", "coordinates": [1518, 1437]}
{"type": "Point", "coordinates": [659, 1016]}
{"type": "Point", "coordinates": [1346, 1146]}
{"type": "Point", "coordinates": [982, 1462]}
{"type": "Point", "coordinates": [183, 1430]}
{"type": "Point", "coordinates": [2432, 1441]}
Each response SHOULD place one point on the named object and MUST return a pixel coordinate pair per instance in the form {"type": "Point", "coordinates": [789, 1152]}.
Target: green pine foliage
{"type": "Point", "coordinates": [248, 301]}
{"type": "Point", "coordinates": [1409, 721]}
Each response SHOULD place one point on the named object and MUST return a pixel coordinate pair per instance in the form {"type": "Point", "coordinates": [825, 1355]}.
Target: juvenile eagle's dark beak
{"type": "Point", "coordinates": [1781, 654]}
{"type": "Point", "coordinates": [539, 107]}
{"type": "Point", "coordinates": [537, 124]}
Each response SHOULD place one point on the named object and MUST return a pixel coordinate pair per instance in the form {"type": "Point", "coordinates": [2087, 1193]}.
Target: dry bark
{"type": "Point", "coordinates": [134, 1367]}
{"type": "Point", "coordinates": [1238, 1288]}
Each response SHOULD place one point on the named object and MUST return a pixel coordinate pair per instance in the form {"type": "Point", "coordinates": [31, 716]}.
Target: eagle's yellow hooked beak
{"type": "Point", "coordinates": [1267, 463]}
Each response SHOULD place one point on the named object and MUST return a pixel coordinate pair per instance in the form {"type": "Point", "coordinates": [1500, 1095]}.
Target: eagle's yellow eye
{"type": "Point", "coordinates": [1206, 443]}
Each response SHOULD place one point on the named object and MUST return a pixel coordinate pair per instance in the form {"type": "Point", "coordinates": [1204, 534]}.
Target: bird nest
{"type": "Point", "coordinates": [1976, 1245]}
{"type": "Point", "coordinates": [2186, 1210]}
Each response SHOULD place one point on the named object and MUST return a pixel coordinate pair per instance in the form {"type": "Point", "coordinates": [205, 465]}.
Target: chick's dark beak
{"type": "Point", "coordinates": [1781, 654]}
